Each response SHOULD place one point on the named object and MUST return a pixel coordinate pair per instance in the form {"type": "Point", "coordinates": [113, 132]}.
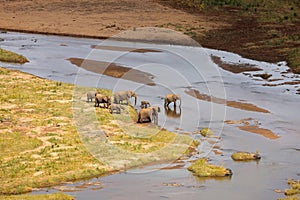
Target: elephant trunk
{"type": "Point", "coordinates": [135, 99]}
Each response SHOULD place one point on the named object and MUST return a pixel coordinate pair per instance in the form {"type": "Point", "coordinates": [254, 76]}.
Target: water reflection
{"type": "Point", "coordinates": [172, 113]}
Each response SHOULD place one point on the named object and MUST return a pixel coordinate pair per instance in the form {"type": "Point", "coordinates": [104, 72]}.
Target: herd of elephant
{"type": "Point", "coordinates": [147, 113]}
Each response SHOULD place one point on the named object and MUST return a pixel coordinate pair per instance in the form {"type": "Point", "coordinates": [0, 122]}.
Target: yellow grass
{"type": "Point", "coordinates": [8, 56]}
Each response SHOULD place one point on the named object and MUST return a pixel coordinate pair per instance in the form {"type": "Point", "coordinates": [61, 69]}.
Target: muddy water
{"type": "Point", "coordinates": [180, 70]}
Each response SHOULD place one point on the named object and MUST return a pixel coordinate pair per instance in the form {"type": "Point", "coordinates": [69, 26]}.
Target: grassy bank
{"type": "Point", "coordinates": [43, 141]}
{"type": "Point", "coordinates": [8, 56]}
{"type": "Point", "coordinates": [261, 29]}
{"type": "Point", "coordinates": [39, 143]}
{"type": "Point", "coordinates": [57, 196]}
{"type": "Point", "coordinates": [118, 141]}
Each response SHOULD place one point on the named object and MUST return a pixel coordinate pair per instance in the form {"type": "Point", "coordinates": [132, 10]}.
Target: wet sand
{"type": "Point", "coordinates": [127, 49]}
{"type": "Point", "coordinates": [234, 68]}
{"type": "Point", "coordinates": [252, 126]}
{"type": "Point", "coordinates": [233, 104]}
{"type": "Point", "coordinates": [261, 131]}
{"type": "Point", "coordinates": [114, 70]}
{"type": "Point", "coordinates": [296, 82]}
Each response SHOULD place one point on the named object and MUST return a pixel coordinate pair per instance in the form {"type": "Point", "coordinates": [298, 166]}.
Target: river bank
{"type": "Point", "coordinates": [268, 31]}
{"type": "Point", "coordinates": [49, 58]}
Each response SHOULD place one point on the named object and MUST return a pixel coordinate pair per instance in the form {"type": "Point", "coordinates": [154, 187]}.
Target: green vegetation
{"type": "Point", "coordinates": [271, 11]}
{"type": "Point", "coordinates": [202, 169]}
{"type": "Point", "coordinates": [50, 135]}
{"type": "Point", "coordinates": [293, 192]}
{"type": "Point", "coordinates": [294, 188]}
{"type": "Point", "coordinates": [245, 156]}
{"type": "Point", "coordinates": [8, 56]}
{"type": "Point", "coordinates": [56, 196]}
{"type": "Point", "coordinates": [269, 33]}
{"type": "Point", "coordinates": [121, 142]}
{"type": "Point", "coordinates": [294, 59]}
{"type": "Point", "coordinates": [39, 143]}
{"type": "Point", "coordinates": [206, 132]}
{"type": "Point", "coordinates": [265, 76]}
{"type": "Point", "coordinates": [294, 197]}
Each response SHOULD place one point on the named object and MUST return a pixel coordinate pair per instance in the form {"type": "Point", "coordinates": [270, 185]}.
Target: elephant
{"type": "Point", "coordinates": [145, 104]}
{"type": "Point", "coordinates": [100, 98]}
{"type": "Point", "coordinates": [169, 98]}
{"type": "Point", "coordinates": [149, 114]}
{"type": "Point", "coordinates": [121, 96]}
{"type": "Point", "coordinates": [115, 107]}
{"type": "Point", "coordinates": [172, 113]}
{"type": "Point", "coordinates": [90, 96]}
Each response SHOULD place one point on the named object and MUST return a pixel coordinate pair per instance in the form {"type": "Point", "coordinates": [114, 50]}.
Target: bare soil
{"type": "Point", "coordinates": [93, 18]}
{"type": "Point", "coordinates": [114, 70]}
{"type": "Point", "coordinates": [233, 104]}
{"type": "Point", "coordinates": [253, 126]}
{"type": "Point", "coordinates": [222, 28]}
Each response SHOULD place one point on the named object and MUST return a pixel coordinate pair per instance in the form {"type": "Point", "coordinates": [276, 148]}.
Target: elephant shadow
{"type": "Point", "coordinates": [172, 113]}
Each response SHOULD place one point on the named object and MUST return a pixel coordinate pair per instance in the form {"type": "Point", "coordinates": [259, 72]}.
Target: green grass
{"type": "Point", "coordinates": [278, 19]}
{"type": "Point", "coordinates": [120, 142]}
{"type": "Point", "coordinates": [56, 196]}
{"type": "Point", "coordinates": [39, 143]}
{"type": "Point", "coordinates": [293, 192]}
{"type": "Point", "coordinates": [202, 169]}
{"type": "Point", "coordinates": [47, 135]}
{"type": "Point", "coordinates": [294, 59]}
{"type": "Point", "coordinates": [206, 132]}
{"type": "Point", "coordinates": [8, 56]}
{"type": "Point", "coordinates": [245, 156]}
{"type": "Point", "coordinates": [294, 188]}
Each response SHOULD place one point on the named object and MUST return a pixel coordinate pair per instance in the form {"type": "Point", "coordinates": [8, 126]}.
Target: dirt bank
{"type": "Point", "coordinates": [93, 18]}
{"type": "Point", "coordinates": [268, 32]}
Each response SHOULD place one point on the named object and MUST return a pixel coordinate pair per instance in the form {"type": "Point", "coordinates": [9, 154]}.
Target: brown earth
{"type": "Point", "coordinates": [226, 28]}
{"type": "Point", "coordinates": [234, 68]}
{"type": "Point", "coordinates": [93, 18]}
{"type": "Point", "coordinates": [114, 70]}
{"type": "Point", "coordinates": [233, 104]}
{"type": "Point", "coordinates": [253, 126]}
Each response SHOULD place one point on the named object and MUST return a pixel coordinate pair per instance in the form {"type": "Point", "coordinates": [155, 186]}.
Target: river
{"type": "Point", "coordinates": [189, 72]}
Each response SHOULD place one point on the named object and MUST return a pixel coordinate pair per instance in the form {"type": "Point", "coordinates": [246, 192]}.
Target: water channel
{"type": "Point", "coordinates": [184, 70]}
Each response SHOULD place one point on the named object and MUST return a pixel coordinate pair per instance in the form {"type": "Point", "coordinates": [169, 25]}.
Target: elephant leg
{"type": "Point", "coordinates": [139, 118]}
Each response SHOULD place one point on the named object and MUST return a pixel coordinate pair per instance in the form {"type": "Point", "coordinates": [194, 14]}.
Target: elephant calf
{"type": "Point", "coordinates": [115, 107]}
{"type": "Point", "coordinates": [100, 98]}
{"type": "Point", "coordinates": [90, 96]}
{"type": "Point", "coordinates": [148, 114]}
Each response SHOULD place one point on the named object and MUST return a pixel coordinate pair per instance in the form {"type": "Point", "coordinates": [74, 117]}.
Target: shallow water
{"type": "Point", "coordinates": [176, 69]}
